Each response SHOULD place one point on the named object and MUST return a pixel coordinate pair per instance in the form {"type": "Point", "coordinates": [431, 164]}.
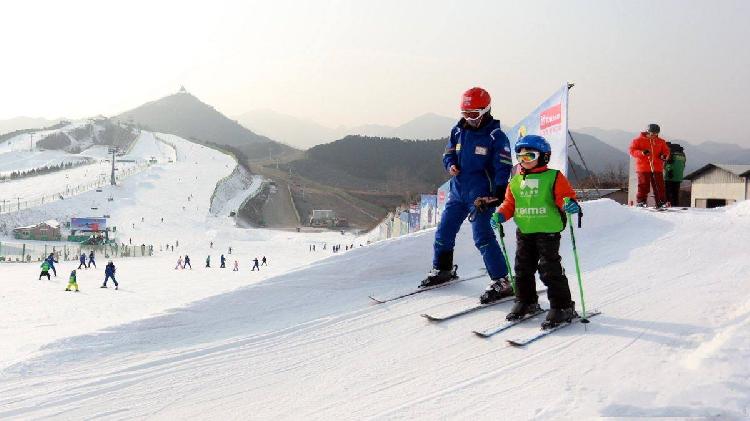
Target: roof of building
{"type": "Point", "coordinates": [51, 223]}
{"type": "Point", "coordinates": [738, 170]}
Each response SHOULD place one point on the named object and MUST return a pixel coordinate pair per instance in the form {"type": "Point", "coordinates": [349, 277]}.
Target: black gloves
{"type": "Point", "coordinates": [663, 157]}
{"type": "Point", "coordinates": [646, 152]}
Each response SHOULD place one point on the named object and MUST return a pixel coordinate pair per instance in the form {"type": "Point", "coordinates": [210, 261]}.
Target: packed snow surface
{"type": "Point", "coordinates": [301, 340]}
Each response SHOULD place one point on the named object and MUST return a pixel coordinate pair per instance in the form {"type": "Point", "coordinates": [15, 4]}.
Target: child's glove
{"type": "Point", "coordinates": [496, 220]}
{"type": "Point", "coordinates": [571, 206]}
{"type": "Point", "coordinates": [663, 157]}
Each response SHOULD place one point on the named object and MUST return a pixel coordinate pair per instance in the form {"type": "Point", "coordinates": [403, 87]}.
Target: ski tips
{"type": "Point", "coordinates": [375, 300]}
{"type": "Point", "coordinates": [480, 334]}
{"type": "Point", "coordinates": [430, 318]}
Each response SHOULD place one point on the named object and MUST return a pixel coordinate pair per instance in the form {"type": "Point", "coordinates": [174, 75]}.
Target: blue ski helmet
{"type": "Point", "coordinates": [538, 143]}
{"type": "Point", "coordinates": [532, 141]}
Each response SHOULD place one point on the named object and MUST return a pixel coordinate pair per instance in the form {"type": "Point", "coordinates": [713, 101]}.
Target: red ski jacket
{"type": "Point", "coordinates": [658, 153]}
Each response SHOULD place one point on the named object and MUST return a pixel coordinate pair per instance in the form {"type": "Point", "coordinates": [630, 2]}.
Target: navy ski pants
{"type": "Point", "coordinates": [453, 216]}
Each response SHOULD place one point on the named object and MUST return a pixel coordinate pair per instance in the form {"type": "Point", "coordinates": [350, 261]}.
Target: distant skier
{"type": "Point", "coordinates": [82, 260]}
{"type": "Point", "coordinates": [263, 261]}
{"type": "Point", "coordinates": [72, 282]}
{"type": "Point", "coordinates": [211, 244]}
{"type": "Point", "coordinates": [45, 270]}
{"type": "Point", "coordinates": [236, 266]}
{"type": "Point", "coordinates": [223, 260]}
{"type": "Point", "coordinates": [179, 264]}
{"type": "Point", "coordinates": [650, 152]}
{"type": "Point", "coordinates": [208, 261]}
{"type": "Point", "coordinates": [674, 173]}
{"type": "Point", "coordinates": [91, 260]}
{"type": "Point", "coordinates": [187, 262]}
{"type": "Point", "coordinates": [255, 265]}
{"type": "Point", "coordinates": [550, 195]}
{"type": "Point", "coordinates": [51, 260]}
{"type": "Point", "coordinates": [230, 250]}
{"type": "Point", "coordinates": [109, 272]}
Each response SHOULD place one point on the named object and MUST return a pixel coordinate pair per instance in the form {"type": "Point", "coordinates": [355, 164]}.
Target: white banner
{"type": "Point", "coordinates": [550, 120]}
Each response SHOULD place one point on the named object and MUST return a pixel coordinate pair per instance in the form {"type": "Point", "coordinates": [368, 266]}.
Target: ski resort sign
{"type": "Point", "coordinates": [88, 224]}
{"type": "Point", "coordinates": [549, 119]}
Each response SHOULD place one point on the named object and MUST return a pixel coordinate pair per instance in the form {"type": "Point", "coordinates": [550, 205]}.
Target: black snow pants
{"type": "Point", "coordinates": [540, 252]}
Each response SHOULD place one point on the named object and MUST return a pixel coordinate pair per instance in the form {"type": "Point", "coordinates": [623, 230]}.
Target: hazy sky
{"type": "Point", "coordinates": [684, 64]}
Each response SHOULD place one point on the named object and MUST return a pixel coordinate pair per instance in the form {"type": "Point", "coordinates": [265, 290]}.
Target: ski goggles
{"type": "Point", "coordinates": [474, 114]}
{"type": "Point", "coordinates": [529, 156]}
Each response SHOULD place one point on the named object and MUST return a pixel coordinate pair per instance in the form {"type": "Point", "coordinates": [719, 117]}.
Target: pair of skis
{"type": "Point", "coordinates": [425, 289]}
{"type": "Point", "coordinates": [487, 333]}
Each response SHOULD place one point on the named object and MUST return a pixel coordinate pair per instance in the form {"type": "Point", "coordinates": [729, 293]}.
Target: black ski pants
{"type": "Point", "coordinates": [673, 192]}
{"type": "Point", "coordinates": [540, 252]}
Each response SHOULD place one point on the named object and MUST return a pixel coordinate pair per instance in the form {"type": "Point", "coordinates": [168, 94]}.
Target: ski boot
{"type": "Point", "coordinates": [557, 316]}
{"type": "Point", "coordinates": [437, 277]}
{"type": "Point", "coordinates": [640, 205]}
{"type": "Point", "coordinates": [499, 288]}
{"type": "Point", "coordinates": [521, 309]}
{"type": "Point", "coordinates": [103, 286]}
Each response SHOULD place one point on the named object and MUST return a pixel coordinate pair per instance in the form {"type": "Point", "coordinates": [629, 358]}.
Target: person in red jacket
{"type": "Point", "coordinates": [650, 152]}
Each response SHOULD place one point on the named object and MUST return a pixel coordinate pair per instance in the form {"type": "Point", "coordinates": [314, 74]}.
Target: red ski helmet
{"type": "Point", "coordinates": [474, 104]}
{"type": "Point", "coordinates": [475, 99]}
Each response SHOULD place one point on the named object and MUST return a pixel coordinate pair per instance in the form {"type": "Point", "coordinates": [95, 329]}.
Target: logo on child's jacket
{"type": "Point", "coordinates": [531, 211]}
{"type": "Point", "coordinates": [480, 150]}
{"type": "Point", "coordinates": [529, 187]}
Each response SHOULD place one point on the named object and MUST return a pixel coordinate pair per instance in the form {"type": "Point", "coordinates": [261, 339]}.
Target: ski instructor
{"type": "Point", "coordinates": [478, 158]}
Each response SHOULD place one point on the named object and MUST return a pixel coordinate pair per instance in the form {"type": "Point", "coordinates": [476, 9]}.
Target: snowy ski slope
{"type": "Point", "coordinates": [301, 340]}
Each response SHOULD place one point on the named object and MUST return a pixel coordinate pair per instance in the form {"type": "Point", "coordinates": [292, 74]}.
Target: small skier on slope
{"type": "Point", "coordinates": [549, 193]}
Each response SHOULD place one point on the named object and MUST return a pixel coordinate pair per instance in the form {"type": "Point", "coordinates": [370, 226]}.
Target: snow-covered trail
{"type": "Point", "coordinates": [673, 339]}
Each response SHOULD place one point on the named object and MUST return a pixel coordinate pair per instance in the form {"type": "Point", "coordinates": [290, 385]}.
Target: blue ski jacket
{"type": "Point", "coordinates": [483, 157]}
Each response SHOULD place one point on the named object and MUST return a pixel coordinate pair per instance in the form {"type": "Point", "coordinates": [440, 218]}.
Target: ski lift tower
{"type": "Point", "coordinates": [112, 150]}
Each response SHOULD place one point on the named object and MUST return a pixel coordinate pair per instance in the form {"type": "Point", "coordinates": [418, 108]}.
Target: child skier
{"type": "Point", "coordinates": [51, 260]}
{"type": "Point", "coordinates": [45, 270]}
{"type": "Point", "coordinates": [109, 272]}
{"type": "Point", "coordinates": [91, 260]}
{"type": "Point", "coordinates": [72, 283]}
{"type": "Point", "coordinates": [255, 265]}
{"type": "Point", "coordinates": [179, 264]}
{"type": "Point", "coordinates": [187, 263]}
{"type": "Point", "coordinates": [223, 262]}
{"type": "Point", "coordinates": [82, 260]}
{"type": "Point", "coordinates": [236, 266]}
{"type": "Point", "coordinates": [537, 197]}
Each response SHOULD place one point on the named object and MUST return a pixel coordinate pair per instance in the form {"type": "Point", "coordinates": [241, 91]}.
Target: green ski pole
{"type": "Point", "coordinates": [578, 269]}
{"type": "Point", "coordinates": [505, 255]}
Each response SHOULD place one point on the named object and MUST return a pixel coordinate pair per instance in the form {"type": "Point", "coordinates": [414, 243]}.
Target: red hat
{"type": "Point", "coordinates": [475, 99]}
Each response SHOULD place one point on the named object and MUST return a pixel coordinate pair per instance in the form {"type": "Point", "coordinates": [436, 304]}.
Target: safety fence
{"type": "Point", "coordinates": [15, 204]}
{"type": "Point", "coordinates": [36, 252]}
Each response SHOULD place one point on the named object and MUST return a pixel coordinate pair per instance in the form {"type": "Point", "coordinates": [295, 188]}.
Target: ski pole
{"type": "Point", "coordinates": [578, 269]}
{"type": "Point", "coordinates": [501, 231]}
{"type": "Point", "coordinates": [653, 176]}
